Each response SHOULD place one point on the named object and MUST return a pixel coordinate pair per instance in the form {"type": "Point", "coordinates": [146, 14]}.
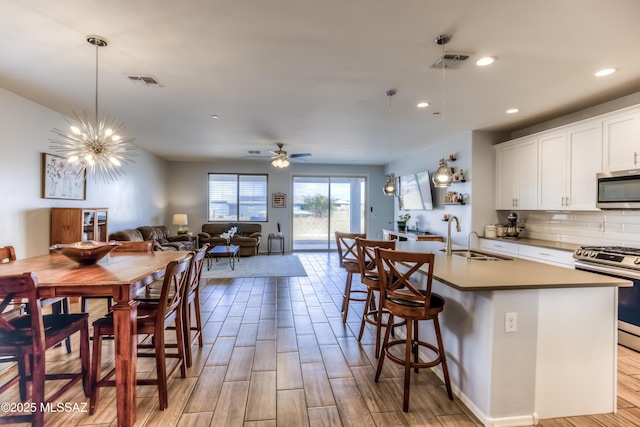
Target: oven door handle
{"type": "Point", "coordinates": [621, 272]}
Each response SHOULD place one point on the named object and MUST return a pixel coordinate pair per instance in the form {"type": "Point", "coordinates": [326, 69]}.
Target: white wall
{"type": "Point", "coordinates": [187, 191]}
{"type": "Point", "coordinates": [137, 198]}
{"type": "Point", "coordinates": [475, 156]}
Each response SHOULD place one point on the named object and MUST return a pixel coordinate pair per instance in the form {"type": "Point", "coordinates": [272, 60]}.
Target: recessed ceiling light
{"type": "Point", "coordinates": [422, 104]}
{"type": "Point", "coordinates": [215, 116]}
{"type": "Point", "coordinates": [487, 60]}
{"type": "Point", "coordinates": [512, 110]}
{"type": "Point", "coordinates": [605, 72]}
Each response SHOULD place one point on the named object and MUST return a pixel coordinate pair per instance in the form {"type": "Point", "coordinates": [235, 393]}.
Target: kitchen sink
{"type": "Point", "coordinates": [479, 256]}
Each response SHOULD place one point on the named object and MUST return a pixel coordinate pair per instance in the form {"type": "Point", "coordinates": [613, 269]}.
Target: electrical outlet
{"type": "Point", "coordinates": [511, 322]}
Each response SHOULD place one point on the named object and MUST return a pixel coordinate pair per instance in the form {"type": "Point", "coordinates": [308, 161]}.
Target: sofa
{"type": "Point", "coordinates": [247, 237]}
{"type": "Point", "coordinates": [162, 240]}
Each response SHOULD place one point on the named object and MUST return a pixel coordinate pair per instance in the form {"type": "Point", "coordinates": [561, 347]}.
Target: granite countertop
{"type": "Point", "coordinates": [563, 246]}
{"type": "Point", "coordinates": [475, 275]}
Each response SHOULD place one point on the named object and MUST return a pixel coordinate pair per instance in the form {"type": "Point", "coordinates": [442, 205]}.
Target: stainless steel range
{"type": "Point", "coordinates": [620, 262]}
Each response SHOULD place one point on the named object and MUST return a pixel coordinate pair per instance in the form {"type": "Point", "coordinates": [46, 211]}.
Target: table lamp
{"type": "Point", "coordinates": [181, 220]}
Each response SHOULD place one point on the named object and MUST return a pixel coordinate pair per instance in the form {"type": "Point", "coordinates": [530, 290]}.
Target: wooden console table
{"type": "Point", "coordinates": [409, 236]}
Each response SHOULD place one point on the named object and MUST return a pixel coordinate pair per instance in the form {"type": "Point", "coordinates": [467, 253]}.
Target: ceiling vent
{"type": "Point", "coordinates": [147, 81]}
{"type": "Point", "coordinates": [451, 61]}
{"type": "Point", "coordinates": [254, 151]}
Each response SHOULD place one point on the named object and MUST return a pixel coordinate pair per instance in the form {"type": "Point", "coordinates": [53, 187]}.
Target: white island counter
{"type": "Point", "coordinates": [561, 360]}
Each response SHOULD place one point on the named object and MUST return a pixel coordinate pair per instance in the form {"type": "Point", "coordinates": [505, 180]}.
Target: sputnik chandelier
{"type": "Point", "coordinates": [95, 143]}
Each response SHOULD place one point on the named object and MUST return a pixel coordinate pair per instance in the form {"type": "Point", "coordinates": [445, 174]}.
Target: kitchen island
{"type": "Point", "coordinates": [561, 359]}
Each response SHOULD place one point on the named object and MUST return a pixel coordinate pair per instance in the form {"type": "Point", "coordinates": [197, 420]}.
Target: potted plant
{"type": "Point", "coordinates": [402, 221]}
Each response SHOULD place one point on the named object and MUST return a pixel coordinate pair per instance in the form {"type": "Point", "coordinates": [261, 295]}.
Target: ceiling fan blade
{"type": "Point", "coordinates": [300, 155]}
{"type": "Point", "coordinates": [297, 160]}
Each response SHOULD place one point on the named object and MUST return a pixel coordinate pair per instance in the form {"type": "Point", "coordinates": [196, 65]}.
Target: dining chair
{"type": "Point", "coordinates": [372, 312]}
{"type": "Point", "coordinates": [125, 246]}
{"type": "Point", "coordinates": [58, 305]}
{"type": "Point", "coordinates": [8, 254]}
{"type": "Point", "coordinates": [191, 303]}
{"type": "Point", "coordinates": [348, 261]}
{"type": "Point", "coordinates": [401, 292]}
{"type": "Point", "coordinates": [152, 319]}
{"type": "Point", "coordinates": [27, 337]}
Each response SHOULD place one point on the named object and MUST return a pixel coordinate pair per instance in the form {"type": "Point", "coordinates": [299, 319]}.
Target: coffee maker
{"type": "Point", "coordinates": [512, 230]}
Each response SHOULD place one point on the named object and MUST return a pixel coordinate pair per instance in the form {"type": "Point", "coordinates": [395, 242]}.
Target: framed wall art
{"type": "Point", "coordinates": [279, 200]}
{"type": "Point", "coordinates": [61, 180]}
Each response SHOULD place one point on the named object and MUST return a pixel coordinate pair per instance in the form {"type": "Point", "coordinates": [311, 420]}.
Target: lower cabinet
{"type": "Point", "coordinates": [505, 248]}
{"type": "Point", "coordinates": [529, 252]}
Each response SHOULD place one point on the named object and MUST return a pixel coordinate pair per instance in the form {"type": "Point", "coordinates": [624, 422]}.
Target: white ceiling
{"type": "Point", "coordinates": [313, 74]}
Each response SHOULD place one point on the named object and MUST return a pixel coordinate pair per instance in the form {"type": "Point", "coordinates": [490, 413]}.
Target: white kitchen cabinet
{"type": "Point", "coordinates": [542, 254]}
{"type": "Point", "coordinates": [568, 162]}
{"type": "Point", "coordinates": [517, 174]}
{"type": "Point", "coordinates": [621, 145]}
{"type": "Point", "coordinates": [499, 246]}
{"type": "Point", "coordinates": [546, 255]}
{"type": "Point", "coordinates": [585, 161]}
{"type": "Point", "coordinates": [552, 171]}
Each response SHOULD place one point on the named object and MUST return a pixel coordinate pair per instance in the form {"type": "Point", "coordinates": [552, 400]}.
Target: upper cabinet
{"type": "Point", "coordinates": [516, 169]}
{"type": "Point", "coordinates": [556, 169]}
{"type": "Point", "coordinates": [568, 162]}
{"type": "Point", "coordinates": [621, 147]}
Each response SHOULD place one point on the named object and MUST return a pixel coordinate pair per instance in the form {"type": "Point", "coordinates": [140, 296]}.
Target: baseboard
{"type": "Point", "coordinates": [523, 420]}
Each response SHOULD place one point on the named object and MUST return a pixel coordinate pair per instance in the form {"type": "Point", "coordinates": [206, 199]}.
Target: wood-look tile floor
{"type": "Point", "coordinates": [276, 353]}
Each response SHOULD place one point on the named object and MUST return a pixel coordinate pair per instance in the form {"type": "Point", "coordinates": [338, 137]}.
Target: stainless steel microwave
{"type": "Point", "coordinates": [619, 190]}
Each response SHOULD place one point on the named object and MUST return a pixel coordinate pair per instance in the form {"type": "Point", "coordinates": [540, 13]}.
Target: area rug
{"type": "Point", "coordinates": [256, 266]}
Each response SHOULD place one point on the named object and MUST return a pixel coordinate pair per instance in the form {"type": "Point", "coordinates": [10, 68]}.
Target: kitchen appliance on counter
{"type": "Point", "coordinates": [624, 263]}
{"type": "Point", "coordinates": [619, 189]}
{"type": "Point", "coordinates": [512, 230]}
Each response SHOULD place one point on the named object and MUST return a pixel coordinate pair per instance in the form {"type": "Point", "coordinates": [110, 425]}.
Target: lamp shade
{"type": "Point", "coordinates": [180, 219]}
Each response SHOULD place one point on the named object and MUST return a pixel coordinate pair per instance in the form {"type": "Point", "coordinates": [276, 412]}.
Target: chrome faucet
{"type": "Point", "coordinates": [458, 229]}
{"type": "Point", "coordinates": [469, 243]}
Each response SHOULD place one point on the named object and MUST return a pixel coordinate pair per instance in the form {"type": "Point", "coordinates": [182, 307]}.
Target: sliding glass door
{"type": "Point", "coordinates": [324, 205]}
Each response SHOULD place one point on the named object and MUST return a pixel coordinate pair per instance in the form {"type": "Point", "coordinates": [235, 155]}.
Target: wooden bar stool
{"type": "Point", "coordinates": [402, 296]}
{"type": "Point", "coordinates": [369, 276]}
{"type": "Point", "coordinates": [348, 259]}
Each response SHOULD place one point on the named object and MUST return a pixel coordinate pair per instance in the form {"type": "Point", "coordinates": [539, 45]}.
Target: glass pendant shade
{"type": "Point", "coordinates": [280, 162]}
{"type": "Point", "coordinates": [442, 177]}
{"type": "Point", "coordinates": [390, 186]}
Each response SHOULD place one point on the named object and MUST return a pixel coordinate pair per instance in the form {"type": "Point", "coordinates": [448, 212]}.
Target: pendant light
{"type": "Point", "coordinates": [390, 188]}
{"type": "Point", "coordinates": [442, 177]}
{"type": "Point", "coordinates": [95, 144]}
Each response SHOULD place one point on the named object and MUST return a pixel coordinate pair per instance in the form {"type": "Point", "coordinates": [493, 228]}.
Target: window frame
{"type": "Point", "coordinates": [238, 177]}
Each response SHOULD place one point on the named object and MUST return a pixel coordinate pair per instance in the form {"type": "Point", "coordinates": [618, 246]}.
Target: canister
{"type": "Point", "coordinates": [490, 231]}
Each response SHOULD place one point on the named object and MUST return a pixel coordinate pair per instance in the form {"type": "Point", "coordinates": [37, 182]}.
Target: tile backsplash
{"type": "Point", "coordinates": [610, 227]}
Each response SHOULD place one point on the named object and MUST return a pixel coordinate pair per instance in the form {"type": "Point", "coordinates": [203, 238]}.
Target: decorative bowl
{"type": "Point", "coordinates": [85, 253]}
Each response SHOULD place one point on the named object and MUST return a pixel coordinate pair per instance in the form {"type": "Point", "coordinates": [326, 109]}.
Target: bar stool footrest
{"type": "Point", "coordinates": [414, 365]}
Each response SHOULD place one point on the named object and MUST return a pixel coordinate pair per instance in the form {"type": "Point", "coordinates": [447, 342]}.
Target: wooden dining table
{"type": "Point", "coordinates": [120, 275]}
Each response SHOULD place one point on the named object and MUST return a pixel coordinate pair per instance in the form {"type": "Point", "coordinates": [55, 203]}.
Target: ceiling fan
{"type": "Point", "coordinates": [280, 158]}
